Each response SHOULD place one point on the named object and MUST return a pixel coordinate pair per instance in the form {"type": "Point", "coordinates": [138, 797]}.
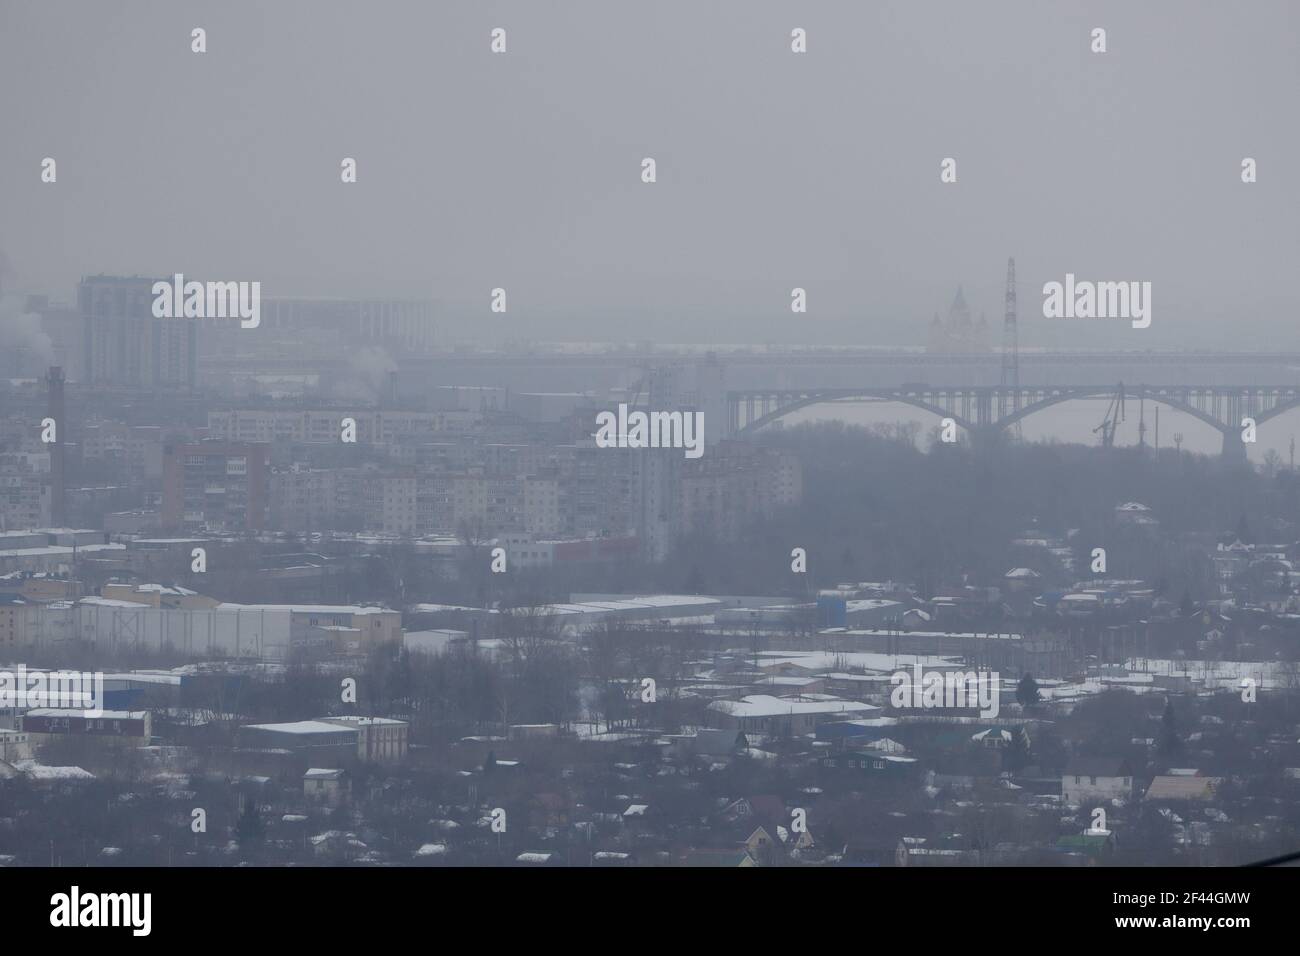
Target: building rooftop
{"type": "Point", "coordinates": [311, 608]}
{"type": "Point", "coordinates": [39, 771]}
{"type": "Point", "coordinates": [1182, 788]}
{"type": "Point", "coordinates": [299, 727]}
{"type": "Point", "coordinates": [77, 712]}
{"type": "Point", "coordinates": [763, 705]}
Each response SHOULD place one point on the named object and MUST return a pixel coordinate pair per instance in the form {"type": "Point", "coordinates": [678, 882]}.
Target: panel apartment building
{"type": "Point", "coordinates": [216, 486]}
{"type": "Point", "coordinates": [125, 345]}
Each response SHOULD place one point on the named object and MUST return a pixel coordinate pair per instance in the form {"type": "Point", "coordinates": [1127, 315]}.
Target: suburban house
{"type": "Point", "coordinates": [1094, 779]}
{"type": "Point", "coordinates": [762, 846]}
{"type": "Point", "coordinates": [711, 744]}
{"type": "Point", "coordinates": [1182, 787]}
{"type": "Point", "coordinates": [14, 745]}
{"type": "Point", "coordinates": [869, 762]}
{"type": "Point", "coordinates": [327, 785]}
{"type": "Point", "coordinates": [1134, 513]}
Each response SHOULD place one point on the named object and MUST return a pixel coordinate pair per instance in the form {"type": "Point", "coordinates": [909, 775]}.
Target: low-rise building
{"type": "Point", "coordinates": [782, 716]}
{"type": "Point", "coordinates": [13, 632]}
{"type": "Point", "coordinates": [321, 742]}
{"type": "Point", "coordinates": [122, 727]}
{"type": "Point", "coordinates": [332, 740]}
{"type": "Point", "coordinates": [326, 785]}
{"type": "Point", "coordinates": [14, 745]}
{"type": "Point", "coordinates": [379, 739]}
{"type": "Point", "coordinates": [869, 762]}
{"type": "Point", "coordinates": [1096, 779]}
{"type": "Point", "coordinates": [157, 595]}
{"type": "Point", "coordinates": [1178, 788]}
{"type": "Point", "coordinates": [366, 626]}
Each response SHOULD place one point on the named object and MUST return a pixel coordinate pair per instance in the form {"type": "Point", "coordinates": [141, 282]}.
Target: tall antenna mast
{"type": "Point", "coordinates": [1010, 351]}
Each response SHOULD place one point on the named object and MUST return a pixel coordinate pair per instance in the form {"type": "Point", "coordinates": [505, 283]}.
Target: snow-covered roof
{"type": "Point", "coordinates": [77, 712]}
{"type": "Point", "coordinates": [114, 602]}
{"type": "Point", "coordinates": [159, 588]}
{"type": "Point", "coordinates": [299, 727]}
{"type": "Point", "coordinates": [869, 604]}
{"type": "Point", "coordinates": [39, 771]}
{"type": "Point", "coordinates": [764, 705]}
{"type": "Point", "coordinates": [58, 550]}
{"type": "Point", "coordinates": [867, 660]}
{"type": "Point", "coordinates": [1021, 573]}
{"type": "Point", "coordinates": [311, 608]}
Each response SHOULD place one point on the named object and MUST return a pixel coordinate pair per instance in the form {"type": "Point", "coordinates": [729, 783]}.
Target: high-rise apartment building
{"type": "Point", "coordinates": [125, 344]}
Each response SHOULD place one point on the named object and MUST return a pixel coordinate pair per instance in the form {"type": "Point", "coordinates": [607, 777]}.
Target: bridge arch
{"type": "Point", "coordinates": [1073, 394]}
{"type": "Point", "coordinates": [1278, 409]}
{"type": "Point", "coordinates": [884, 395]}
{"type": "Point", "coordinates": [1055, 397]}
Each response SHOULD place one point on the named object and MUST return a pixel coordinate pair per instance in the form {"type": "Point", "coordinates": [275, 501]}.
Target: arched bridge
{"type": "Point", "coordinates": [984, 411]}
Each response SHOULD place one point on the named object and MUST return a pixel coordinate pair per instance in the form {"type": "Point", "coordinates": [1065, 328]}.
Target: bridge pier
{"type": "Point", "coordinates": [1234, 449]}
{"type": "Point", "coordinates": [986, 439]}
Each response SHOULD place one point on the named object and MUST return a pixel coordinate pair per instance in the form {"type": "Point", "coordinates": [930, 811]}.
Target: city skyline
{"type": "Point", "coordinates": [775, 171]}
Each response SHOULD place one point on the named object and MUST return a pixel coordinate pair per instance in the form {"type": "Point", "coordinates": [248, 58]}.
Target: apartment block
{"type": "Point", "coordinates": [216, 485]}
{"type": "Point", "coordinates": [124, 344]}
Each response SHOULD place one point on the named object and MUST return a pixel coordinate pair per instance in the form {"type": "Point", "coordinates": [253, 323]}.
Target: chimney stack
{"type": "Point", "coordinates": [58, 508]}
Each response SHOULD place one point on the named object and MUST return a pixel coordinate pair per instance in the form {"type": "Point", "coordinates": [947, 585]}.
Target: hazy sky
{"type": "Point", "coordinates": [774, 169]}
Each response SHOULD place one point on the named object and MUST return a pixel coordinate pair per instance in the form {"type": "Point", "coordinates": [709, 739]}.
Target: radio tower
{"type": "Point", "coordinates": [1010, 351]}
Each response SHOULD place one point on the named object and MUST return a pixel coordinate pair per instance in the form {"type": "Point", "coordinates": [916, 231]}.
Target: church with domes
{"type": "Point", "coordinates": [958, 333]}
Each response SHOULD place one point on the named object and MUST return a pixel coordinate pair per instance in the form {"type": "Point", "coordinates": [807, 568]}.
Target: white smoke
{"type": "Point", "coordinates": [23, 343]}
{"type": "Point", "coordinates": [367, 375]}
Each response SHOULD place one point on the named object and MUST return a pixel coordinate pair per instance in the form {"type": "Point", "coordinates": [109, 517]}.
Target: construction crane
{"type": "Point", "coordinates": [644, 385]}
{"type": "Point", "coordinates": [1114, 416]}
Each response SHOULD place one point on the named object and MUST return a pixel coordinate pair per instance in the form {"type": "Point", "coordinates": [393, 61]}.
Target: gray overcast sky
{"type": "Point", "coordinates": [523, 170]}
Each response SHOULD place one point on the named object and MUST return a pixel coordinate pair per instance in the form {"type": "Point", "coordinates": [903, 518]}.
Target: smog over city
{"type": "Point", "coordinates": [483, 436]}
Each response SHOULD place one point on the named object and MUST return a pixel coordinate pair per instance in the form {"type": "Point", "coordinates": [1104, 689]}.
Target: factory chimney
{"type": "Point", "coordinates": [58, 483]}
